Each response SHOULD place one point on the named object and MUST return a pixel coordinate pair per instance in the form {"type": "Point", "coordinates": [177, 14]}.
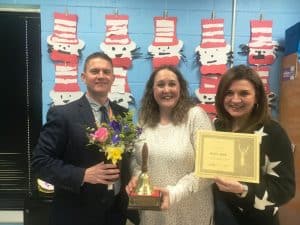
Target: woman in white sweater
{"type": "Point", "coordinates": [170, 120]}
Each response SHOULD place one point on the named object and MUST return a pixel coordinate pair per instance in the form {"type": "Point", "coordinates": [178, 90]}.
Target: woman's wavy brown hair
{"type": "Point", "coordinates": [149, 112]}
{"type": "Point", "coordinates": [260, 114]}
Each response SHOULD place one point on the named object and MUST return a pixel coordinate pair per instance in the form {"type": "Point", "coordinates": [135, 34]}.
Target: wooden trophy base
{"type": "Point", "coordinates": [145, 202]}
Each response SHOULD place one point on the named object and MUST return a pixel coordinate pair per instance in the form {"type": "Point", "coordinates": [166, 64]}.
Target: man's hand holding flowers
{"type": "Point", "coordinates": [101, 174]}
{"type": "Point", "coordinates": [114, 139]}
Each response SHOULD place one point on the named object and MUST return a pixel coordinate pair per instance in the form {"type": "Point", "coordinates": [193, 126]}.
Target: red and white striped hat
{"type": "Point", "coordinates": [212, 33]}
{"type": "Point", "coordinates": [66, 78]}
{"type": "Point", "coordinates": [165, 31]}
{"type": "Point", "coordinates": [261, 34]}
{"type": "Point", "coordinates": [117, 30]}
{"type": "Point", "coordinates": [263, 72]}
{"type": "Point", "coordinates": [209, 84]}
{"type": "Point", "coordinates": [65, 29]}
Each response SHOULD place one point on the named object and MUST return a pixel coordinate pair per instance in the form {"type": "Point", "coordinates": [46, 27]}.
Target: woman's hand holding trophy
{"type": "Point", "coordinates": [141, 194]}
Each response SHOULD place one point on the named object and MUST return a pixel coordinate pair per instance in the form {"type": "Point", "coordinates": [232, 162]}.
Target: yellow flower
{"type": "Point", "coordinates": [114, 153]}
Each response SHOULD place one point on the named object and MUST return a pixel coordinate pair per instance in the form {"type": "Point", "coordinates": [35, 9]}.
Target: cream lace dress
{"type": "Point", "coordinates": [171, 165]}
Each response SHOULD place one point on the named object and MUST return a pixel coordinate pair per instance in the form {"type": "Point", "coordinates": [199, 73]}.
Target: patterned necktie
{"type": "Point", "coordinates": [104, 115]}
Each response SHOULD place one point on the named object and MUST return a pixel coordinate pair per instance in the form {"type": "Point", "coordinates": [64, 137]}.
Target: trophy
{"type": "Point", "coordinates": [143, 197]}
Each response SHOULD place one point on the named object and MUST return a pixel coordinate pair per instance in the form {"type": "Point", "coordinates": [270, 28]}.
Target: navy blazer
{"type": "Point", "coordinates": [61, 157]}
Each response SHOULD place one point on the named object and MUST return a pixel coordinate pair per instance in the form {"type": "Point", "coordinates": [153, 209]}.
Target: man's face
{"type": "Point", "coordinates": [98, 77]}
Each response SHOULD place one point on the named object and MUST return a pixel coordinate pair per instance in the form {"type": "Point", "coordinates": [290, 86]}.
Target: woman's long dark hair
{"type": "Point", "coordinates": [149, 112]}
{"type": "Point", "coordinates": [259, 115]}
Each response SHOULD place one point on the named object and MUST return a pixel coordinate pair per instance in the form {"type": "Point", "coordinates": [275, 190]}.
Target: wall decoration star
{"type": "Point", "coordinates": [261, 204]}
{"type": "Point", "coordinates": [269, 166]}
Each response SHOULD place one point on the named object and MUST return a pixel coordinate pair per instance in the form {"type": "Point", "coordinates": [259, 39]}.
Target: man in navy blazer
{"type": "Point", "coordinates": [61, 156]}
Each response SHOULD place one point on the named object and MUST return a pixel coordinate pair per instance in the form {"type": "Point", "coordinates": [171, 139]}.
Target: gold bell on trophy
{"type": "Point", "coordinates": [143, 186]}
{"type": "Point", "coordinates": [143, 196]}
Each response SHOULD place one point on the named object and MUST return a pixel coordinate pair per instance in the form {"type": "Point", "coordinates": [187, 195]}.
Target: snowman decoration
{"type": "Point", "coordinates": [165, 48]}
{"type": "Point", "coordinates": [262, 52]}
{"type": "Point", "coordinates": [64, 48]}
{"type": "Point", "coordinates": [213, 54]}
{"type": "Point", "coordinates": [120, 48]}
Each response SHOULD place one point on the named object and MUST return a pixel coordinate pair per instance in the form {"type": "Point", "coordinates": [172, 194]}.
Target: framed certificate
{"type": "Point", "coordinates": [227, 154]}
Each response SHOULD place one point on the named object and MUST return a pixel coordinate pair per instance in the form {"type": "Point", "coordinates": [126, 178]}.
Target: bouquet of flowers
{"type": "Point", "coordinates": [115, 138]}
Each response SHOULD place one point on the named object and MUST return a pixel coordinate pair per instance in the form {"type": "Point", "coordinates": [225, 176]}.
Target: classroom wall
{"type": "Point", "coordinates": [91, 29]}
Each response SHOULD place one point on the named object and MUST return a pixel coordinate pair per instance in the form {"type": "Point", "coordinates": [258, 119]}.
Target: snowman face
{"type": "Point", "coordinates": [122, 99]}
{"type": "Point", "coordinates": [206, 98]}
{"type": "Point", "coordinates": [61, 98]}
{"type": "Point", "coordinates": [118, 51]}
{"type": "Point", "coordinates": [165, 50]}
{"type": "Point", "coordinates": [259, 56]}
{"type": "Point", "coordinates": [213, 56]}
{"type": "Point", "coordinates": [65, 47]}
